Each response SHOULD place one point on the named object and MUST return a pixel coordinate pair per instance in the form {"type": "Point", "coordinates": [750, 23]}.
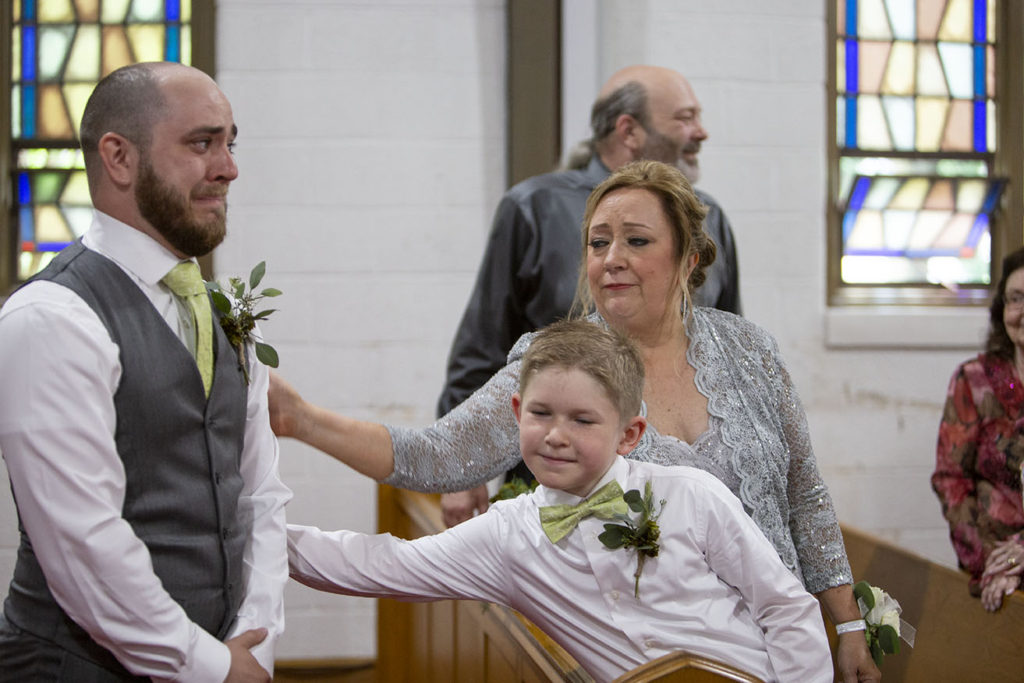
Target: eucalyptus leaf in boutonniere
{"type": "Point", "coordinates": [514, 488]}
{"type": "Point", "coordinates": [239, 316]}
{"type": "Point", "coordinates": [642, 534]}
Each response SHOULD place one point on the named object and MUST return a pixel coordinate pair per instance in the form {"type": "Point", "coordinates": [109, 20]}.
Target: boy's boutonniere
{"type": "Point", "coordinates": [514, 488]}
{"type": "Point", "coordinates": [881, 615]}
{"type": "Point", "coordinates": [642, 534]}
{"type": "Point", "coordinates": [238, 319]}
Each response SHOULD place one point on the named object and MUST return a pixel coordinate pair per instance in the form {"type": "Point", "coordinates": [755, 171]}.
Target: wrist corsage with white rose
{"type": "Point", "coordinates": [882, 625]}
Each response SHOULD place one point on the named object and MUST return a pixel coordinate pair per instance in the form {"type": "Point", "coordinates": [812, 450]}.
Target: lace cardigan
{"type": "Point", "coordinates": [757, 443]}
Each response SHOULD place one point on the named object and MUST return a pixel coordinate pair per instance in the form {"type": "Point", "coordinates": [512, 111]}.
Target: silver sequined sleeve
{"type": "Point", "coordinates": [475, 442]}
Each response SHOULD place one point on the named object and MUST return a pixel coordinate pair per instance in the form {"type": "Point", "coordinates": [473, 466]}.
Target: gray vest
{"type": "Point", "coordinates": [181, 454]}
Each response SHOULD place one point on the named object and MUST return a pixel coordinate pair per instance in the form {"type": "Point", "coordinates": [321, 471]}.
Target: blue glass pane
{"type": "Point", "coordinates": [28, 53]}
{"type": "Point", "coordinates": [51, 246]}
{"type": "Point", "coordinates": [851, 121]}
{"type": "Point", "coordinates": [28, 224]}
{"type": "Point", "coordinates": [28, 10]}
{"type": "Point", "coordinates": [24, 189]}
{"type": "Point", "coordinates": [980, 21]}
{"type": "Point", "coordinates": [28, 111]}
{"type": "Point", "coordinates": [172, 44]}
{"type": "Point", "coordinates": [980, 126]}
{"type": "Point", "coordinates": [851, 17]}
{"type": "Point", "coordinates": [172, 11]}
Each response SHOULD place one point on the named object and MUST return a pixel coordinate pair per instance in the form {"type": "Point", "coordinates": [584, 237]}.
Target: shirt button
{"type": "Point", "coordinates": [224, 533]}
{"type": "Point", "coordinates": [614, 595]}
{"type": "Point", "coordinates": [648, 644]}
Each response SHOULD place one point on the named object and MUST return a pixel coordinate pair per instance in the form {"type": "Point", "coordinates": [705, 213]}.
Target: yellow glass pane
{"type": "Point", "coordinates": [115, 11]}
{"type": "Point", "coordinates": [957, 24]}
{"type": "Point", "coordinates": [991, 16]}
{"type": "Point", "coordinates": [911, 196]}
{"type": "Point", "coordinates": [959, 126]}
{"type": "Point", "coordinates": [84, 64]}
{"type": "Point", "coordinates": [50, 225]}
{"type": "Point", "coordinates": [940, 197]}
{"type": "Point", "coordinates": [867, 231]}
{"type": "Point", "coordinates": [78, 218]}
{"type": "Point", "coordinates": [76, 191]}
{"type": "Point", "coordinates": [186, 10]}
{"type": "Point", "coordinates": [898, 226]}
{"type": "Point", "coordinates": [76, 96]}
{"type": "Point", "coordinates": [54, 42]}
{"type": "Point", "coordinates": [930, 79]}
{"type": "Point", "coordinates": [31, 262]}
{"type": "Point", "coordinates": [899, 75]}
{"type": "Point", "coordinates": [929, 14]}
{"type": "Point", "coordinates": [147, 10]}
{"type": "Point", "coordinates": [840, 66]}
{"type": "Point", "coordinates": [954, 235]}
{"type": "Point", "coordinates": [872, 23]}
{"type": "Point", "coordinates": [116, 52]}
{"type": "Point", "coordinates": [186, 45]}
{"type": "Point", "coordinates": [931, 122]}
{"type": "Point", "coordinates": [969, 196]}
{"type": "Point", "coordinates": [17, 12]}
{"type": "Point", "coordinates": [872, 129]}
{"type": "Point", "coordinates": [899, 112]}
{"type": "Point", "coordinates": [901, 16]}
{"type": "Point", "coordinates": [88, 10]}
{"type": "Point", "coordinates": [147, 42]}
{"type": "Point", "coordinates": [926, 230]}
{"type": "Point", "coordinates": [881, 193]}
{"type": "Point", "coordinates": [873, 57]}
{"type": "Point", "coordinates": [15, 108]}
{"type": "Point", "coordinates": [991, 130]}
{"type": "Point", "coordinates": [53, 117]}
{"type": "Point", "coordinates": [55, 11]}
{"type": "Point", "coordinates": [15, 50]}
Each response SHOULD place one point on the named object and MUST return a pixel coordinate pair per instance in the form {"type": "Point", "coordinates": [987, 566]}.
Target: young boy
{"type": "Point", "coordinates": [716, 587]}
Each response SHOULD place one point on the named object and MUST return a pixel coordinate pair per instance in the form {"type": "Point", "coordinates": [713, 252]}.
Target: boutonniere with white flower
{"type": "Point", "coordinates": [641, 534]}
{"type": "Point", "coordinates": [885, 628]}
{"type": "Point", "coordinates": [239, 316]}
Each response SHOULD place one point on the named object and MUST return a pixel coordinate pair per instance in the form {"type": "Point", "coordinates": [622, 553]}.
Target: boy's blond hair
{"type": "Point", "coordinates": [607, 356]}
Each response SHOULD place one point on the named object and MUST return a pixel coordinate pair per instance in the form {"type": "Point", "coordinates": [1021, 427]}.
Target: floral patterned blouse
{"type": "Point", "coordinates": [978, 459]}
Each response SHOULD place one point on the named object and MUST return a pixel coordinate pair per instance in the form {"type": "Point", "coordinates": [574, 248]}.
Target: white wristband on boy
{"type": "Point", "coordinates": [848, 626]}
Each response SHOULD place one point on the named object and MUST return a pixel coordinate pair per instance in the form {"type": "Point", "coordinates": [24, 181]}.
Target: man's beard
{"type": "Point", "coordinates": [169, 212]}
{"type": "Point", "coordinates": [659, 147]}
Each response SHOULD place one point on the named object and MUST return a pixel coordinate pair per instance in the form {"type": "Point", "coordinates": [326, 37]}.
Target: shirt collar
{"type": "Point", "coordinates": [130, 248]}
{"type": "Point", "coordinates": [618, 471]}
{"type": "Point", "coordinates": [596, 171]}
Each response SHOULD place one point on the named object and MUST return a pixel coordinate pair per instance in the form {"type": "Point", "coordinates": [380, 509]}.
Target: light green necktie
{"type": "Point", "coordinates": [558, 520]}
{"type": "Point", "coordinates": [187, 284]}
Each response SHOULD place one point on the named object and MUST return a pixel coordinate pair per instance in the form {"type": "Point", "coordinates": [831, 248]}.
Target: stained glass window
{"type": "Point", "coordinates": [60, 49]}
{"type": "Point", "coordinates": [916, 137]}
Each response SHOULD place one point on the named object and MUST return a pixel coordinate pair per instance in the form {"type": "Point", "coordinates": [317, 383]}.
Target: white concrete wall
{"type": "Point", "coordinates": [371, 155]}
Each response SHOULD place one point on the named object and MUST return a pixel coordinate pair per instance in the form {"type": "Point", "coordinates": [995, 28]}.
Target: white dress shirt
{"type": "Point", "coordinates": [60, 372]}
{"type": "Point", "coordinates": [717, 587]}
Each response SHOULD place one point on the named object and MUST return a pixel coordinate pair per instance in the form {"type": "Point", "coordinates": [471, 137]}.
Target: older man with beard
{"type": "Point", "coordinates": [142, 464]}
{"type": "Point", "coordinates": [528, 274]}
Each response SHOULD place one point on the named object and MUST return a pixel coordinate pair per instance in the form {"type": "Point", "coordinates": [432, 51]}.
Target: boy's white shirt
{"type": "Point", "coordinates": [717, 588]}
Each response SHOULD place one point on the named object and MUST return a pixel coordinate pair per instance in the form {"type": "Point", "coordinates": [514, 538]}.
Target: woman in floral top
{"type": "Point", "coordinates": [981, 448]}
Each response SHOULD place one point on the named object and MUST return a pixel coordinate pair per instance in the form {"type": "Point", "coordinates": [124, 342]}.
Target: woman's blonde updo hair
{"type": "Point", "coordinates": [685, 214]}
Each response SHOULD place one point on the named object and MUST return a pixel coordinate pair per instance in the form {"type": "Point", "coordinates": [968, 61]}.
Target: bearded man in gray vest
{"type": "Point", "coordinates": [142, 463]}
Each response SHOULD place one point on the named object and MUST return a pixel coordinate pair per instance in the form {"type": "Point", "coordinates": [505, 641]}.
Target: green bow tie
{"type": "Point", "coordinates": [558, 520]}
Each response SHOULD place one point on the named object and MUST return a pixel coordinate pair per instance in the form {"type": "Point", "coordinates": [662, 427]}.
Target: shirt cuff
{"type": "Point", "coordinates": [210, 661]}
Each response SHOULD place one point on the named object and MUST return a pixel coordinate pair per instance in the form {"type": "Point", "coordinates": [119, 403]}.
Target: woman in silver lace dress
{"type": "Point", "coordinates": [717, 395]}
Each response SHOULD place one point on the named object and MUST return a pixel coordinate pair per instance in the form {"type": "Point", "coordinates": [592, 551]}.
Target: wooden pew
{"type": "Point", "coordinates": [457, 641]}
{"type": "Point", "coordinates": [957, 640]}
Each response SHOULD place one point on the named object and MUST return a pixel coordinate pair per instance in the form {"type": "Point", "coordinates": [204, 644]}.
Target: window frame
{"type": "Point", "coordinates": [1008, 163]}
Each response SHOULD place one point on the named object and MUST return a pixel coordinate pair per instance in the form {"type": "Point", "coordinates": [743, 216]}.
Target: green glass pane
{"type": "Point", "coordinates": [84, 64]}
{"type": "Point", "coordinates": [147, 41]}
{"type": "Point", "coordinates": [55, 11]}
{"type": "Point", "coordinates": [872, 130]}
{"type": "Point", "coordinates": [147, 10]}
{"type": "Point", "coordinates": [881, 193]}
{"type": "Point", "coordinates": [186, 45]}
{"type": "Point", "coordinates": [958, 21]}
{"type": "Point", "coordinates": [54, 42]}
{"type": "Point", "coordinates": [930, 79]}
{"type": "Point", "coordinates": [115, 11]}
{"type": "Point", "coordinates": [899, 112]}
{"type": "Point", "coordinates": [901, 18]}
{"type": "Point", "coordinates": [46, 186]}
{"type": "Point", "coordinates": [186, 10]}
{"type": "Point", "coordinates": [872, 21]}
{"type": "Point", "coordinates": [958, 63]}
